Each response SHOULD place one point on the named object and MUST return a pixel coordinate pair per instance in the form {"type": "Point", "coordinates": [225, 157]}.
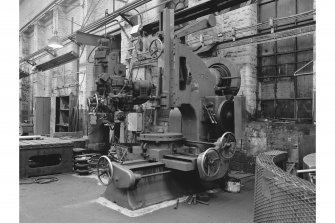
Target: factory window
{"type": "Point", "coordinates": [281, 94]}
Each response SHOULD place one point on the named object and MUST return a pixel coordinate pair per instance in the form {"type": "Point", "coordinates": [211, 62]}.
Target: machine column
{"type": "Point", "coordinates": [165, 62]}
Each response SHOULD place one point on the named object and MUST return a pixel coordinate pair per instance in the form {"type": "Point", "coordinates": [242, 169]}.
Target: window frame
{"type": "Point", "coordinates": [275, 78]}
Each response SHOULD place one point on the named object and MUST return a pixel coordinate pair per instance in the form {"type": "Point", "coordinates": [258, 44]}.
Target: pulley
{"type": "Point", "coordinates": [209, 162]}
{"type": "Point", "coordinates": [227, 145]}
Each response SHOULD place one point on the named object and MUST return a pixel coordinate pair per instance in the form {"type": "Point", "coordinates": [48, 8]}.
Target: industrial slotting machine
{"type": "Point", "coordinates": [193, 154]}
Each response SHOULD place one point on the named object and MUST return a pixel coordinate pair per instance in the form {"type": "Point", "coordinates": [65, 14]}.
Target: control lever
{"type": "Point", "coordinates": [211, 115]}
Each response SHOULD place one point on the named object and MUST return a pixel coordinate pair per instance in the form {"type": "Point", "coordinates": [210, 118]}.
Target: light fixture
{"type": "Point", "coordinates": [55, 42]}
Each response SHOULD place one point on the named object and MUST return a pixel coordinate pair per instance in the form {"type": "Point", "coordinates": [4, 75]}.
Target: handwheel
{"type": "Point", "coordinates": [105, 170]}
{"type": "Point", "coordinates": [156, 48]}
{"type": "Point", "coordinates": [210, 162]}
{"type": "Point", "coordinates": [227, 145]}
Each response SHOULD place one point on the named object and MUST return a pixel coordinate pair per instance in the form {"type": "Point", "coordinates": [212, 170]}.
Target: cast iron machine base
{"type": "Point", "coordinates": [180, 171]}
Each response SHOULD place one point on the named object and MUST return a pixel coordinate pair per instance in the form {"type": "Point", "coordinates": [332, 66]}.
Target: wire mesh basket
{"type": "Point", "coordinates": [280, 196]}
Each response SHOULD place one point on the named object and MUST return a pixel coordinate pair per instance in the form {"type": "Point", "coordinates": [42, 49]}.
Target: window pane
{"type": "Point", "coordinates": [305, 56]}
{"type": "Point", "coordinates": [286, 45]}
{"type": "Point", "coordinates": [268, 60]}
{"type": "Point", "coordinates": [285, 8]}
{"type": "Point", "coordinates": [304, 109]}
{"type": "Point", "coordinates": [305, 42]}
{"type": "Point", "coordinates": [267, 109]}
{"type": "Point", "coordinates": [267, 48]}
{"type": "Point", "coordinates": [304, 86]}
{"type": "Point", "coordinates": [307, 68]}
{"type": "Point", "coordinates": [286, 58]}
{"type": "Point", "coordinates": [304, 5]}
{"type": "Point", "coordinates": [266, 11]}
{"type": "Point", "coordinates": [285, 88]}
{"type": "Point", "coordinates": [286, 64]}
{"type": "Point", "coordinates": [267, 90]}
{"type": "Point", "coordinates": [286, 69]}
{"type": "Point", "coordinates": [285, 109]}
{"type": "Point", "coordinates": [268, 71]}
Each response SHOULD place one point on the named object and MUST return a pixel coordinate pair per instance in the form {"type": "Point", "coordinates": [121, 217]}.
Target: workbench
{"type": "Point", "coordinates": [44, 156]}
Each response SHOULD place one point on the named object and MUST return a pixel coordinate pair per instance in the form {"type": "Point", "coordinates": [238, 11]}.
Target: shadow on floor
{"type": "Point", "coordinates": [72, 199]}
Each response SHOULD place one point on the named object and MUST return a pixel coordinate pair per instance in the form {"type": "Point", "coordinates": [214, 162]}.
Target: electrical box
{"type": "Point", "coordinates": [135, 31]}
{"type": "Point", "coordinates": [134, 122]}
{"type": "Point", "coordinates": [93, 119]}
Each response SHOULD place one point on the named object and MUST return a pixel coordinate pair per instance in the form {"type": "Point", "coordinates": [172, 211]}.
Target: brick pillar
{"type": "Point", "coordinates": [24, 45]}
{"type": "Point", "coordinates": [245, 57]}
{"type": "Point", "coordinates": [59, 23]}
{"type": "Point", "coordinates": [34, 46]}
{"type": "Point", "coordinates": [21, 43]}
{"type": "Point", "coordinates": [39, 34]}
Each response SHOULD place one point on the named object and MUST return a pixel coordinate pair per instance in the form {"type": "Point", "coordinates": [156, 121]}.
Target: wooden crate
{"type": "Point", "coordinates": [45, 156]}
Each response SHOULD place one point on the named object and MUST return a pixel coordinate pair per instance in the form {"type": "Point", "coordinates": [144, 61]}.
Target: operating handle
{"type": "Point", "coordinates": [211, 115]}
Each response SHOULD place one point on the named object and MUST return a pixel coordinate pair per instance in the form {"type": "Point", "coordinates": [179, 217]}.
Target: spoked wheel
{"type": "Point", "coordinates": [105, 170]}
{"type": "Point", "coordinates": [227, 145]}
{"type": "Point", "coordinates": [210, 162]}
{"type": "Point", "coordinates": [156, 48]}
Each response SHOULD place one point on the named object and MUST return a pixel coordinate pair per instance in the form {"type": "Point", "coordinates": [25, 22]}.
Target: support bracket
{"type": "Point", "coordinates": [50, 51]}
{"type": "Point", "coordinates": [126, 19]}
{"type": "Point", "coordinates": [82, 38]}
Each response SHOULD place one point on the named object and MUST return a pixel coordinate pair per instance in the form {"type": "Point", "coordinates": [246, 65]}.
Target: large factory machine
{"type": "Point", "coordinates": [193, 154]}
{"type": "Point", "coordinates": [115, 95]}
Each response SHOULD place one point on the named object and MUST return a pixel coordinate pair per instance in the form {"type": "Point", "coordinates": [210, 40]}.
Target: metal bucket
{"type": "Point", "coordinates": [233, 185]}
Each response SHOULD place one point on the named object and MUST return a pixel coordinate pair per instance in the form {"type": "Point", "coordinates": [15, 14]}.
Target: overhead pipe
{"type": "Point", "coordinates": [306, 171]}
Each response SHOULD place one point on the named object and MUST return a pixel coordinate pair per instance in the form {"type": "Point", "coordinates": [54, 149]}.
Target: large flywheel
{"type": "Point", "coordinates": [105, 170]}
{"type": "Point", "coordinates": [227, 145]}
{"type": "Point", "coordinates": [209, 162]}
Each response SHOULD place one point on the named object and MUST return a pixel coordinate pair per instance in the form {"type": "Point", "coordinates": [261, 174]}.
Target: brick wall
{"type": "Point", "coordinates": [244, 57]}
{"type": "Point", "coordinates": [264, 136]}
{"type": "Point", "coordinates": [30, 8]}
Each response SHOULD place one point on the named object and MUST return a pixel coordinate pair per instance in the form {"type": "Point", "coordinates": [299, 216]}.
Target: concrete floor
{"type": "Point", "coordinates": [71, 200]}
